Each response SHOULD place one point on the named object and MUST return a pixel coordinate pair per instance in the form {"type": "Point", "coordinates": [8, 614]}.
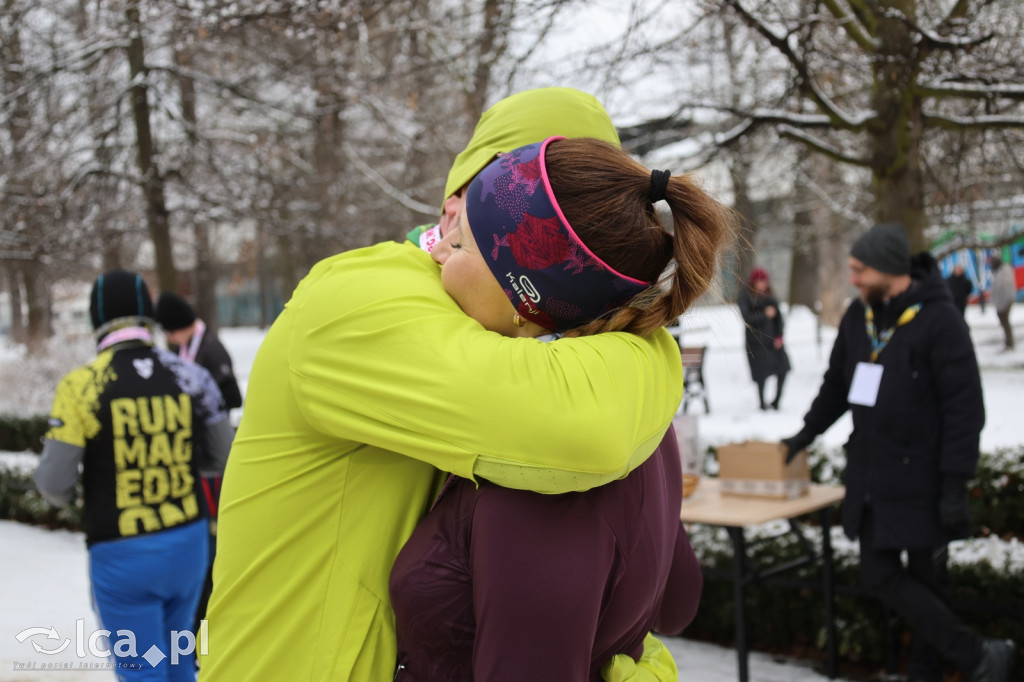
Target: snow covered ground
{"type": "Point", "coordinates": [44, 574]}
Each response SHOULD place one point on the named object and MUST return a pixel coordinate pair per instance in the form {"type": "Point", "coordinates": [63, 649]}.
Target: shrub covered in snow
{"type": "Point", "coordinates": [29, 376]}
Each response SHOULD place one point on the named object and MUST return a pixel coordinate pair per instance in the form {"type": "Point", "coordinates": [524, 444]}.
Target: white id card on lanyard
{"type": "Point", "coordinates": [867, 377]}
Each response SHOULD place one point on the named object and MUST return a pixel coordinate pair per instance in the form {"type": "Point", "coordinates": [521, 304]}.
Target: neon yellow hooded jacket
{"type": "Point", "coordinates": [316, 503]}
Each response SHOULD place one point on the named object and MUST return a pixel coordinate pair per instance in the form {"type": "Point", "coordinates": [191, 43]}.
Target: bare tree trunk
{"type": "Point", "coordinates": [330, 133]}
{"type": "Point", "coordinates": [204, 278]}
{"type": "Point", "coordinates": [262, 277]}
{"type": "Point", "coordinates": [895, 143]}
{"type": "Point", "coordinates": [832, 256]}
{"type": "Point", "coordinates": [14, 289]}
{"type": "Point", "coordinates": [37, 296]}
{"type": "Point", "coordinates": [17, 189]}
{"type": "Point", "coordinates": [748, 225]}
{"type": "Point", "coordinates": [489, 48]}
{"type": "Point", "coordinates": [803, 273]}
{"type": "Point", "coordinates": [287, 267]}
{"type": "Point", "coordinates": [152, 180]}
{"type": "Point", "coordinates": [832, 251]}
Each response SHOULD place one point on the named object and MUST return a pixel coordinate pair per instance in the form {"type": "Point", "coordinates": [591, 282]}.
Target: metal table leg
{"type": "Point", "coordinates": [739, 578]}
{"type": "Point", "coordinates": [828, 592]}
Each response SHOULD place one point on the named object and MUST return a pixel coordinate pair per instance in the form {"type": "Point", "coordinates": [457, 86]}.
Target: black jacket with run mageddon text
{"type": "Point", "coordinates": [131, 418]}
{"type": "Point", "coordinates": [926, 422]}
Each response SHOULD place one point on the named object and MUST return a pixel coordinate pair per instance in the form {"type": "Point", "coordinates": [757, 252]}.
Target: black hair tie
{"type": "Point", "coordinates": [659, 182]}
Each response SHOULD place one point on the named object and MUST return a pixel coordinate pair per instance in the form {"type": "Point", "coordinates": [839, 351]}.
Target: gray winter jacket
{"type": "Point", "coordinates": [1004, 287]}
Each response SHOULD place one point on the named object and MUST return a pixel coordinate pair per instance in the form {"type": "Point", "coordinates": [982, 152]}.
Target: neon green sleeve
{"type": "Point", "coordinates": [380, 354]}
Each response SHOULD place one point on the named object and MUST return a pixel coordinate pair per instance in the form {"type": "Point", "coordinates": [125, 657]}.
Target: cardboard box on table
{"type": "Point", "coordinates": [758, 469]}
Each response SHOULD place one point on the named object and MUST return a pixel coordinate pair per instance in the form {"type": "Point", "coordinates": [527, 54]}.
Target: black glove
{"type": "Point", "coordinates": [794, 444]}
{"type": "Point", "coordinates": [953, 513]}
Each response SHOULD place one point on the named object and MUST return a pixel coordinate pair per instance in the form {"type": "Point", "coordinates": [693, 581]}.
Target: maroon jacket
{"type": "Point", "coordinates": [498, 584]}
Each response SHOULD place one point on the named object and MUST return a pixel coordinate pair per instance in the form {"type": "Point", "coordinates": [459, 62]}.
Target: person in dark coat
{"type": "Point", "coordinates": [762, 318]}
{"type": "Point", "coordinates": [960, 287]}
{"type": "Point", "coordinates": [195, 343]}
{"type": "Point", "coordinates": [904, 365]}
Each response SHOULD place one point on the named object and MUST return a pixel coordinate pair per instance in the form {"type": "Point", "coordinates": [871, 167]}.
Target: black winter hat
{"type": "Point", "coordinates": [119, 293]}
{"type": "Point", "coordinates": [173, 312]}
{"type": "Point", "coordinates": [884, 248]}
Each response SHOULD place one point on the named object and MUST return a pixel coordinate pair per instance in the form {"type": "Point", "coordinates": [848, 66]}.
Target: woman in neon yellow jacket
{"type": "Point", "coordinates": [495, 584]}
{"type": "Point", "coordinates": [370, 383]}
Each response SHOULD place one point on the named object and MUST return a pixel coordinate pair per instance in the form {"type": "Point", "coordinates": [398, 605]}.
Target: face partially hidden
{"type": "Point", "coordinates": [469, 281]}
{"type": "Point", "coordinates": [179, 337]}
{"type": "Point", "coordinates": [872, 284]}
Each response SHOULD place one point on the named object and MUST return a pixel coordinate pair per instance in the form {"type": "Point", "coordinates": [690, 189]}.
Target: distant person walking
{"type": "Point", "coordinates": [903, 364]}
{"type": "Point", "coordinates": [135, 420]}
{"type": "Point", "coordinates": [1004, 292]}
{"type": "Point", "coordinates": [762, 318]}
{"type": "Point", "coordinates": [960, 287]}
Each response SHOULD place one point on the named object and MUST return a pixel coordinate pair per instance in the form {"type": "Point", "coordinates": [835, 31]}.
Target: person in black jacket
{"type": "Point", "coordinates": [198, 344]}
{"type": "Point", "coordinates": [195, 343]}
{"type": "Point", "coordinates": [904, 364]}
{"type": "Point", "coordinates": [763, 321]}
{"type": "Point", "coordinates": [137, 426]}
{"type": "Point", "coordinates": [960, 287]}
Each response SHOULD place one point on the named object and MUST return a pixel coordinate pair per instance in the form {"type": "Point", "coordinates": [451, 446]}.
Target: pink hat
{"type": "Point", "coordinates": [758, 275]}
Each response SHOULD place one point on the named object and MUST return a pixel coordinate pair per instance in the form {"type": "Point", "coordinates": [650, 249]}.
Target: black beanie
{"type": "Point", "coordinates": [884, 248]}
{"type": "Point", "coordinates": [119, 293]}
{"type": "Point", "coordinates": [173, 312]}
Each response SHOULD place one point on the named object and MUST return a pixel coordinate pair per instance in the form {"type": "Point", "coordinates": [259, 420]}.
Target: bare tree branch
{"type": "Point", "coordinates": [807, 81]}
{"type": "Point", "coordinates": [379, 180]}
{"type": "Point", "coordinates": [852, 27]}
{"type": "Point", "coordinates": [973, 122]}
{"type": "Point", "coordinates": [1010, 91]}
{"type": "Point", "coordinates": [822, 147]}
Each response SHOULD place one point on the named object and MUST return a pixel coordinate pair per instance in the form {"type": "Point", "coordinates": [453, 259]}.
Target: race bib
{"type": "Point", "coordinates": [867, 377]}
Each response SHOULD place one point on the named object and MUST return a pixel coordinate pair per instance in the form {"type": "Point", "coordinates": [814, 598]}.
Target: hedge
{"type": "Point", "coordinates": [22, 433]}
{"type": "Point", "coordinates": [20, 501]}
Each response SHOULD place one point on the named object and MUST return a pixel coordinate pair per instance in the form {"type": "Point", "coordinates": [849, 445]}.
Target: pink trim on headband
{"type": "Point", "coordinates": [565, 222]}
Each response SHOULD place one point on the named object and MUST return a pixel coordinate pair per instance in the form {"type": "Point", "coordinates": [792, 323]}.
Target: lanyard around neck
{"type": "Point", "coordinates": [880, 340]}
{"type": "Point", "coordinates": [189, 350]}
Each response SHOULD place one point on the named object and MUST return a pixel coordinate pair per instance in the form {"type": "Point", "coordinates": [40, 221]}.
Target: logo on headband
{"type": "Point", "coordinates": [523, 288]}
{"type": "Point", "coordinates": [533, 248]}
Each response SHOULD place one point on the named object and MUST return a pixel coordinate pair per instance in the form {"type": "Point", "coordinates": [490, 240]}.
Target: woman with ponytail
{"type": "Point", "coordinates": [559, 238]}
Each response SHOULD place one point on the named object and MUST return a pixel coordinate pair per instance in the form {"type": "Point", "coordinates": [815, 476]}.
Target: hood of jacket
{"type": "Point", "coordinates": [927, 287]}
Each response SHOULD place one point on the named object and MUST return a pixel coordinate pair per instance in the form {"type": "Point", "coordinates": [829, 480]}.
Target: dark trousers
{"type": "Point", "coordinates": [919, 592]}
{"type": "Point", "coordinates": [1004, 320]}
{"type": "Point", "coordinates": [780, 380]}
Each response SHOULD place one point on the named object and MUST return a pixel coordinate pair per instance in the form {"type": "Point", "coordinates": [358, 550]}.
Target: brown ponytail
{"type": "Point", "coordinates": [603, 193]}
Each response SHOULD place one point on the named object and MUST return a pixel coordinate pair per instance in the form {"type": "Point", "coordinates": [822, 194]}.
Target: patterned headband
{"type": "Point", "coordinates": [548, 273]}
